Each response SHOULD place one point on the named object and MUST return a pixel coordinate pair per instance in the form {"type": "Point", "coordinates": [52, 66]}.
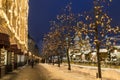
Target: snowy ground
{"type": "Point", "coordinates": [81, 72]}
{"type": "Point", "coordinates": [53, 72]}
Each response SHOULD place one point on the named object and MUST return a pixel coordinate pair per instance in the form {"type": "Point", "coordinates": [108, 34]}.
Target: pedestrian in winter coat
{"type": "Point", "coordinates": [32, 63]}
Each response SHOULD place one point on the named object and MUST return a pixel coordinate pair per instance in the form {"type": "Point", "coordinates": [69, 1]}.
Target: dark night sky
{"type": "Point", "coordinates": [42, 11]}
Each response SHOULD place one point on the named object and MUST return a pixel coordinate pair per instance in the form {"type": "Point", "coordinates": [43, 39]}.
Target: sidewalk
{"type": "Point", "coordinates": [53, 72]}
{"type": "Point", "coordinates": [80, 72]}
{"type": "Point", "coordinates": [61, 73]}
{"type": "Point", "coordinates": [12, 74]}
{"type": "Point", "coordinates": [28, 73]}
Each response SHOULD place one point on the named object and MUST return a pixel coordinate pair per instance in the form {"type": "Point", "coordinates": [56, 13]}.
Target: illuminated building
{"type": "Point", "coordinates": [13, 33]}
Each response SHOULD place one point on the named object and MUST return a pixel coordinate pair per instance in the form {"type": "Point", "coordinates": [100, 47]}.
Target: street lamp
{"type": "Point", "coordinates": [59, 52]}
{"type": "Point", "coordinates": [67, 53]}
{"type": "Point", "coordinates": [108, 43]}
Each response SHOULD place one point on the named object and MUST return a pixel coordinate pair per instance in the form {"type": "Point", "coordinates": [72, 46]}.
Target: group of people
{"type": "Point", "coordinates": [32, 62]}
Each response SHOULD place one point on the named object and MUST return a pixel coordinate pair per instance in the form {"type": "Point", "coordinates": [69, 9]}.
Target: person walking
{"type": "Point", "coordinates": [32, 63]}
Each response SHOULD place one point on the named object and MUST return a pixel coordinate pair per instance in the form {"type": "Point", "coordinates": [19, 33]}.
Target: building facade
{"type": "Point", "coordinates": [14, 21]}
{"type": "Point", "coordinates": [33, 49]}
{"type": "Point", "coordinates": [13, 34]}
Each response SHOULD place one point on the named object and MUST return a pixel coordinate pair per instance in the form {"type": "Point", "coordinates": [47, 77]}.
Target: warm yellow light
{"type": "Point", "coordinates": [30, 54]}
{"type": "Point", "coordinates": [96, 16]}
{"type": "Point", "coordinates": [110, 0]}
{"type": "Point", "coordinates": [115, 51]}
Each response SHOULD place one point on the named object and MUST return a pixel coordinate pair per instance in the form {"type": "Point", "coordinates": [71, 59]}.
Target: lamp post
{"type": "Point", "coordinates": [59, 52]}
{"type": "Point", "coordinates": [108, 43]}
{"type": "Point", "coordinates": [67, 53]}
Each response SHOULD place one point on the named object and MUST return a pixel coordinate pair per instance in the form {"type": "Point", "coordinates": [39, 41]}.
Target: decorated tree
{"type": "Point", "coordinates": [98, 26]}
{"type": "Point", "coordinates": [68, 21]}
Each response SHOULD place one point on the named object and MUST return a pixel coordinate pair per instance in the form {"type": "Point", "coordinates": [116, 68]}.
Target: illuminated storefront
{"type": "Point", "coordinates": [4, 44]}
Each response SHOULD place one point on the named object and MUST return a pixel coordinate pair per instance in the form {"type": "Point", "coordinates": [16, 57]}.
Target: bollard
{"type": "Point", "coordinates": [96, 75]}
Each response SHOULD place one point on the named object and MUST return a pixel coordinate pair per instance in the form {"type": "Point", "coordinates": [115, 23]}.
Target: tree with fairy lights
{"type": "Point", "coordinates": [68, 22]}
{"type": "Point", "coordinates": [57, 40]}
{"type": "Point", "coordinates": [98, 26]}
{"type": "Point", "coordinates": [50, 44]}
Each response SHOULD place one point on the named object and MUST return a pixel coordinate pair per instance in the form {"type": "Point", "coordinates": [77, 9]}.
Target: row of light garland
{"type": "Point", "coordinates": [68, 23]}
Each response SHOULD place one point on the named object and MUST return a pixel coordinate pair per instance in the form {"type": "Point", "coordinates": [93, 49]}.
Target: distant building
{"type": "Point", "coordinates": [81, 47]}
{"type": "Point", "coordinates": [32, 47]}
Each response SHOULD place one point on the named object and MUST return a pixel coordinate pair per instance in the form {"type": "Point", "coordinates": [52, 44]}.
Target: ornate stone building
{"type": "Point", "coordinates": [13, 34]}
{"type": "Point", "coordinates": [14, 21]}
{"type": "Point", "coordinates": [81, 47]}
